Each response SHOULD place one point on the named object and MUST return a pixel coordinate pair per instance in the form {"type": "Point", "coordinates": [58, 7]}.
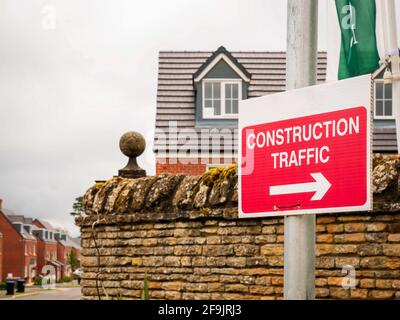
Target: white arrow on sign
{"type": "Point", "coordinates": [320, 186]}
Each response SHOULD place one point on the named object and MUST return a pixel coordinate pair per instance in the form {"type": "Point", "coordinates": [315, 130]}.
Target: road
{"type": "Point", "coordinates": [73, 293]}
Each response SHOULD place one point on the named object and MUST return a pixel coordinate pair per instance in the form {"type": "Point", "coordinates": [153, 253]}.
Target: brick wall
{"type": "Point", "coordinates": [13, 249]}
{"type": "Point", "coordinates": [184, 234]}
{"type": "Point", "coordinates": [218, 258]}
{"type": "Point", "coordinates": [40, 254]}
{"type": "Point", "coordinates": [61, 253]}
{"type": "Point", "coordinates": [188, 166]}
{"type": "Point", "coordinates": [1, 256]}
{"type": "Point", "coordinates": [29, 257]}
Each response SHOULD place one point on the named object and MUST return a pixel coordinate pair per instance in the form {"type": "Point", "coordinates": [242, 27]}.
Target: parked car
{"type": "Point", "coordinates": [78, 274]}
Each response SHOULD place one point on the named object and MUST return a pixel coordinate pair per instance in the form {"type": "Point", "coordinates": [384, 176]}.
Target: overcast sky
{"type": "Point", "coordinates": [76, 74]}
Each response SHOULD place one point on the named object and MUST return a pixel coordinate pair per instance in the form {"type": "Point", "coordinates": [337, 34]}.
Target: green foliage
{"type": "Point", "coordinates": [217, 175]}
{"type": "Point", "coordinates": [37, 281]}
{"type": "Point", "coordinates": [2, 286]}
{"type": "Point", "coordinates": [145, 293]}
{"type": "Point", "coordinates": [105, 292]}
{"type": "Point", "coordinates": [67, 279]}
{"type": "Point", "coordinates": [119, 294]}
{"type": "Point", "coordinates": [77, 206]}
{"type": "Point", "coordinates": [72, 259]}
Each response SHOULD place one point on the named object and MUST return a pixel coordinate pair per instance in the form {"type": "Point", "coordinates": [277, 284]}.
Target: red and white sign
{"type": "Point", "coordinates": [306, 151]}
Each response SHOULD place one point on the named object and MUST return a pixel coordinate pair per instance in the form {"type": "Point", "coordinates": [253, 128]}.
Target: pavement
{"type": "Point", "coordinates": [60, 293]}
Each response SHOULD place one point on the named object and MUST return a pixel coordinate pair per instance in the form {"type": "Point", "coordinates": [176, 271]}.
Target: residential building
{"type": "Point", "coordinates": [47, 248]}
{"type": "Point", "coordinates": [197, 105]}
{"type": "Point", "coordinates": [1, 254]}
{"type": "Point", "coordinates": [64, 248]}
{"type": "Point", "coordinates": [19, 246]}
{"type": "Point", "coordinates": [77, 249]}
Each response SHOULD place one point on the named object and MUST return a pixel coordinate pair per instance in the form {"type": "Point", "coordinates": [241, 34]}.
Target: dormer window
{"type": "Point", "coordinates": [221, 98]}
{"type": "Point", "coordinates": [28, 228]}
{"type": "Point", "coordinates": [18, 226]}
{"type": "Point", "coordinates": [383, 100]}
{"type": "Point", "coordinates": [220, 83]}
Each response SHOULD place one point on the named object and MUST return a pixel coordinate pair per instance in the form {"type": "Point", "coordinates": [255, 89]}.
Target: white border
{"type": "Point", "coordinates": [328, 97]}
{"type": "Point", "coordinates": [215, 61]}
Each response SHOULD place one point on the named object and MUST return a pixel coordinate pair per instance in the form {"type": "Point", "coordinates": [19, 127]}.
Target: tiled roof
{"type": "Point", "coordinates": [385, 139]}
{"type": "Point", "coordinates": [176, 95]}
{"type": "Point", "coordinates": [69, 243]}
{"type": "Point", "coordinates": [46, 224]}
{"type": "Point", "coordinates": [212, 57]}
{"type": "Point", "coordinates": [18, 218]}
{"type": "Point", "coordinates": [9, 212]}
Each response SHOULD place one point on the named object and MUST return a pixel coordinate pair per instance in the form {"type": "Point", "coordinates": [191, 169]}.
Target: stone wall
{"type": "Point", "coordinates": [182, 234]}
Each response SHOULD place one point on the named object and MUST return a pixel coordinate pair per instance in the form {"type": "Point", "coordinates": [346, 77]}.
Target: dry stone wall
{"type": "Point", "coordinates": [182, 234]}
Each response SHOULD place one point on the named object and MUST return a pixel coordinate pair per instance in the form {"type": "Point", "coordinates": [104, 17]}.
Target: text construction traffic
{"type": "Point", "coordinates": [293, 135]}
{"type": "Point", "coordinates": [307, 164]}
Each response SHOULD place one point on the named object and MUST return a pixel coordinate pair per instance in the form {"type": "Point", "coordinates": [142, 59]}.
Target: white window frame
{"type": "Point", "coordinates": [382, 117]}
{"type": "Point", "coordinates": [223, 82]}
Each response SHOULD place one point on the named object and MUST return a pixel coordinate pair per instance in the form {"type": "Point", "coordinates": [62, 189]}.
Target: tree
{"type": "Point", "coordinates": [72, 259]}
{"type": "Point", "coordinates": [77, 207]}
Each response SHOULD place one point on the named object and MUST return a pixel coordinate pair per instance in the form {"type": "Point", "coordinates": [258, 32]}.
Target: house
{"type": "Point", "coordinates": [1, 254]}
{"type": "Point", "coordinates": [197, 105]}
{"type": "Point", "coordinates": [64, 248]}
{"type": "Point", "coordinates": [77, 249]}
{"type": "Point", "coordinates": [19, 246]}
{"type": "Point", "coordinates": [47, 248]}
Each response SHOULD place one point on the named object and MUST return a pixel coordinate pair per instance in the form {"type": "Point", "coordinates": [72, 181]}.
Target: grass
{"type": "Point", "coordinates": [69, 284]}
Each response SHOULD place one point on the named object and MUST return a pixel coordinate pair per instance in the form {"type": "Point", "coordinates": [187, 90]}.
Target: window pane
{"type": "Point", "coordinates": [235, 106]}
{"type": "Point", "coordinates": [379, 90]}
{"type": "Point", "coordinates": [208, 103]}
{"type": "Point", "coordinates": [228, 90]}
{"type": "Point", "coordinates": [235, 91]}
{"type": "Point", "coordinates": [217, 107]}
{"type": "Point", "coordinates": [388, 107]}
{"type": "Point", "coordinates": [228, 106]}
{"type": "Point", "coordinates": [388, 91]}
{"type": "Point", "coordinates": [207, 90]}
{"type": "Point", "coordinates": [379, 108]}
{"type": "Point", "coordinates": [217, 90]}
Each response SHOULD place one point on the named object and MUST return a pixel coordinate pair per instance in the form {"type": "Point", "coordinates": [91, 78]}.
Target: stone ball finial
{"type": "Point", "coordinates": [132, 144]}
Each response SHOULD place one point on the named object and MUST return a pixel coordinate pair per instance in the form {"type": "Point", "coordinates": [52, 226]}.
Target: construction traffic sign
{"type": "Point", "coordinates": [307, 151]}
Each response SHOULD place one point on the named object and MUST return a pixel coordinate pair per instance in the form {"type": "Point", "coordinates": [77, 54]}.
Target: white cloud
{"type": "Point", "coordinates": [68, 93]}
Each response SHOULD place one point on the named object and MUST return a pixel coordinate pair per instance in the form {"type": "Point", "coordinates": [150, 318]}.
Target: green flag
{"type": "Point", "coordinates": [358, 53]}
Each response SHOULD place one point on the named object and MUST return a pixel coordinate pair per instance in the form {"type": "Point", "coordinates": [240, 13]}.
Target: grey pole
{"type": "Point", "coordinates": [301, 71]}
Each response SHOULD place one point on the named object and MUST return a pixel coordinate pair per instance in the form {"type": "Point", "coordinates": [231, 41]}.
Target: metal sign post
{"type": "Point", "coordinates": [392, 50]}
{"type": "Point", "coordinates": [299, 148]}
{"type": "Point", "coordinates": [301, 71]}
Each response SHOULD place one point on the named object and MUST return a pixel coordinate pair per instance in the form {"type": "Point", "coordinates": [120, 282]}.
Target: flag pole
{"type": "Point", "coordinates": [301, 71]}
{"type": "Point", "coordinates": [392, 50]}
